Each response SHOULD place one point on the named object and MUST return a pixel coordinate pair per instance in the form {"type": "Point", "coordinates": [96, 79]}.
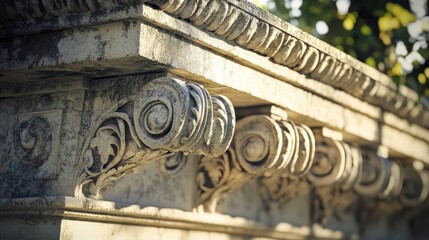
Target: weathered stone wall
{"type": "Point", "coordinates": [198, 119]}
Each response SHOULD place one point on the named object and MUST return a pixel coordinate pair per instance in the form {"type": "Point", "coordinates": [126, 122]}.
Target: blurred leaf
{"type": "Point", "coordinates": [388, 22]}
{"type": "Point", "coordinates": [370, 61]}
{"type": "Point", "coordinates": [422, 79]}
{"type": "Point", "coordinates": [402, 14]}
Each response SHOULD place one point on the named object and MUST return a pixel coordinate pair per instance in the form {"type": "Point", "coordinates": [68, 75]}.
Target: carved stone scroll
{"type": "Point", "coordinates": [167, 116]}
{"type": "Point", "coordinates": [33, 141]}
{"type": "Point", "coordinates": [257, 147]}
{"type": "Point", "coordinates": [375, 176]}
{"type": "Point", "coordinates": [262, 147]}
{"type": "Point", "coordinates": [378, 187]}
{"type": "Point", "coordinates": [415, 188]}
{"type": "Point", "coordinates": [406, 188]}
{"type": "Point", "coordinates": [336, 168]}
{"type": "Point", "coordinates": [287, 183]}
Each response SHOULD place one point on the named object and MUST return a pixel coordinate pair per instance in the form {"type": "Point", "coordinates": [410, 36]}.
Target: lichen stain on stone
{"type": "Point", "coordinates": [66, 47]}
{"type": "Point", "coordinates": [101, 47]}
{"type": "Point", "coordinates": [41, 54]}
{"type": "Point", "coordinates": [126, 28]}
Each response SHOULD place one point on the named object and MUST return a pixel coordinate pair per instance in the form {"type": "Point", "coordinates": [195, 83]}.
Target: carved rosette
{"type": "Point", "coordinates": [167, 116]}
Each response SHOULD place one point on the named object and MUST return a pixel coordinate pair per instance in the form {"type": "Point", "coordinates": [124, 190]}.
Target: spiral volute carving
{"type": "Point", "coordinates": [167, 116]}
{"type": "Point", "coordinates": [258, 143]}
{"type": "Point", "coordinates": [415, 188]}
{"type": "Point", "coordinates": [33, 141]}
{"type": "Point", "coordinates": [329, 164]}
{"type": "Point", "coordinates": [172, 115]}
{"type": "Point", "coordinates": [375, 174]}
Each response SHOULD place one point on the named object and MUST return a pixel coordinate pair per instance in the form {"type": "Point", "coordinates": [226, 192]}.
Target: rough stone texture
{"type": "Point", "coordinates": [29, 167]}
{"type": "Point", "coordinates": [324, 148]}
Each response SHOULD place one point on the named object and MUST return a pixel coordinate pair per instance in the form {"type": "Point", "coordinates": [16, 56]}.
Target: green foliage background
{"type": "Point", "coordinates": [370, 31]}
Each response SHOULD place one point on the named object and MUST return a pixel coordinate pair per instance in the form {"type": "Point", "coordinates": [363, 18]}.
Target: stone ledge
{"type": "Point", "coordinates": [88, 210]}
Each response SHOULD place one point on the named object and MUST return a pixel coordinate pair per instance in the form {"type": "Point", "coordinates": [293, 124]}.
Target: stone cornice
{"type": "Point", "coordinates": [256, 30]}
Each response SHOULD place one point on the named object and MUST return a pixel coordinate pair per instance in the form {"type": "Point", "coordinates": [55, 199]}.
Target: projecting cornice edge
{"type": "Point", "coordinates": [258, 31]}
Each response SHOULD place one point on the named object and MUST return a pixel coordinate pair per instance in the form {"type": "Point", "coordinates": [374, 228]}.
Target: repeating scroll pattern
{"type": "Point", "coordinates": [288, 159]}
{"type": "Point", "coordinates": [229, 20]}
{"type": "Point", "coordinates": [167, 116]}
{"type": "Point", "coordinates": [345, 178]}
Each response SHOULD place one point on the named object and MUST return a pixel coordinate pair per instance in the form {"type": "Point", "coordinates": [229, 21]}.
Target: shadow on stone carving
{"type": "Point", "coordinates": [167, 116]}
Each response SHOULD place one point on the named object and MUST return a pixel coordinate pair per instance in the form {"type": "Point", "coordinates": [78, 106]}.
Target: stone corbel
{"type": "Point", "coordinates": [415, 187]}
{"type": "Point", "coordinates": [279, 188]}
{"type": "Point", "coordinates": [262, 146]}
{"type": "Point", "coordinates": [379, 187]}
{"type": "Point", "coordinates": [381, 177]}
{"type": "Point", "coordinates": [336, 168]}
{"type": "Point", "coordinates": [406, 189]}
{"type": "Point", "coordinates": [256, 149]}
{"type": "Point", "coordinates": [166, 117]}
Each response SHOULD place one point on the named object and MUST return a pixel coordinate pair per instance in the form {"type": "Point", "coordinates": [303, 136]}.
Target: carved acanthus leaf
{"type": "Point", "coordinates": [278, 190]}
{"type": "Point", "coordinates": [167, 116]}
{"type": "Point", "coordinates": [256, 147]}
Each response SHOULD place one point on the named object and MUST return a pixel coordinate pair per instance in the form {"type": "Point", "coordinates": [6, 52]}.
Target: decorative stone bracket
{"type": "Point", "coordinates": [336, 168]}
{"type": "Point", "coordinates": [344, 174]}
{"type": "Point", "coordinates": [289, 159]}
{"type": "Point", "coordinates": [261, 147]}
{"type": "Point", "coordinates": [167, 116]}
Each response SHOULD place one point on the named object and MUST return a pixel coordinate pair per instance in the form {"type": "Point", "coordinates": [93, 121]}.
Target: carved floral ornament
{"type": "Point", "coordinates": [166, 117]}
{"type": "Point", "coordinates": [169, 116]}
{"type": "Point", "coordinates": [288, 159]}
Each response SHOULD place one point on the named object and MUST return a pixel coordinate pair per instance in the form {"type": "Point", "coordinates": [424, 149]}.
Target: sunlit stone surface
{"type": "Point", "coordinates": [199, 120]}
